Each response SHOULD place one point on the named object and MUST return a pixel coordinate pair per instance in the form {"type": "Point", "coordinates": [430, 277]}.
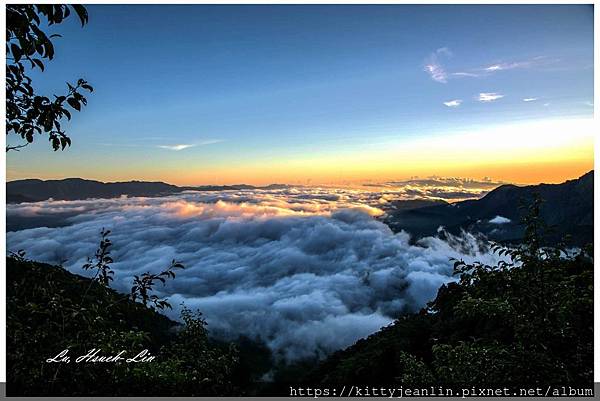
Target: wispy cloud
{"type": "Point", "coordinates": [508, 66]}
{"type": "Point", "coordinates": [439, 73]}
{"type": "Point", "coordinates": [489, 96]}
{"type": "Point", "coordinates": [208, 142]}
{"type": "Point", "coordinates": [176, 147]}
{"type": "Point", "coordinates": [179, 147]}
{"type": "Point", "coordinates": [530, 99]}
{"type": "Point", "coordinates": [445, 51]}
{"type": "Point", "coordinates": [434, 67]}
{"type": "Point", "coordinates": [453, 103]}
{"type": "Point", "coordinates": [465, 74]}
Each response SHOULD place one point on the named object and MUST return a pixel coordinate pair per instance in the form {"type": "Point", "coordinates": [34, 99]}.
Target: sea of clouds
{"type": "Point", "coordinates": [306, 270]}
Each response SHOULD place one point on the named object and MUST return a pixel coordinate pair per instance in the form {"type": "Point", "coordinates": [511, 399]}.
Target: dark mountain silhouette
{"type": "Point", "coordinates": [77, 188]}
{"type": "Point", "coordinates": [568, 208]}
{"type": "Point", "coordinates": [414, 204]}
{"type": "Point", "coordinates": [34, 190]}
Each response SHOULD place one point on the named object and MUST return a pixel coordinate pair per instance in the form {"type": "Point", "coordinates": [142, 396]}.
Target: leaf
{"type": "Point", "coordinates": [81, 13]}
{"type": "Point", "coordinates": [55, 143]}
{"type": "Point", "coordinates": [39, 63]}
{"type": "Point", "coordinates": [16, 52]}
{"type": "Point", "coordinates": [74, 104]}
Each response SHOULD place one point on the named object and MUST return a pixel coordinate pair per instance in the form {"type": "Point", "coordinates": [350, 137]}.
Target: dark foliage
{"type": "Point", "coordinates": [50, 309]}
{"type": "Point", "coordinates": [101, 261]}
{"type": "Point", "coordinates": [28, 47]}
{"type": "Point", "coordinates": [144, 284]}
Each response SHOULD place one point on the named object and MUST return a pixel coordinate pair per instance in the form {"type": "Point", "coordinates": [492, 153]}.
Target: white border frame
{"type": "Point", "coordinates": [340, 2]}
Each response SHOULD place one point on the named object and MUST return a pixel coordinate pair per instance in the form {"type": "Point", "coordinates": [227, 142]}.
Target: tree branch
{"type": "Point", "coordinates": [16, 147]}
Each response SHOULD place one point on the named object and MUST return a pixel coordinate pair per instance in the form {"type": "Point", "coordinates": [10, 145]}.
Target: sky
{"type": "Point", "coordinates": [200, 94]}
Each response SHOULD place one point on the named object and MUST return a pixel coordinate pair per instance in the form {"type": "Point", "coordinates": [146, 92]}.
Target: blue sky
{"type": "Point", "coordinates": [242, 91]}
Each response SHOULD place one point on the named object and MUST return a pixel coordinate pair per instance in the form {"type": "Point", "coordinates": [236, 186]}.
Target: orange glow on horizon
{"type": "Point", "coordinates": [519, 172]}
{"type": "Point", "coordinates": [525, 153]}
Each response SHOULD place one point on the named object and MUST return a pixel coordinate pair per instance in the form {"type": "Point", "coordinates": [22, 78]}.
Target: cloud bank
{"type": "Point", "coordinates": [307, 272]}
{"type": "Point", "coordinates": [436, 188]}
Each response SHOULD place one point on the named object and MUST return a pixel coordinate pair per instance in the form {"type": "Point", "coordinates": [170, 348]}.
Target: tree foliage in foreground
{"type": "Point", "coordinates": [50, 309]}
{"type": "Point", "coordinates": [28, 113]}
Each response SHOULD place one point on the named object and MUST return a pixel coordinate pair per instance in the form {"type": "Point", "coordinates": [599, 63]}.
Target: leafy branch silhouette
{"type": "Point", "coordinates": [102, 260]}
{"type": "Point", "coordinates": [27, 112]}
{"type": "Point", "coordinates": [143, 285]}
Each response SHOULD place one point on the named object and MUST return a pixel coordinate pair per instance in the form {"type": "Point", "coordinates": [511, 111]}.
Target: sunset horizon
{"type": "Point", "coordinates": [320, 104]}
{"type": "Point", "coordinates": [535, 174]}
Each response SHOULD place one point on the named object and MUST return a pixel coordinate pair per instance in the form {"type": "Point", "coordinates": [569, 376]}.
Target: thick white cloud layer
{"type": "Point", "coordinates": [308, 271]}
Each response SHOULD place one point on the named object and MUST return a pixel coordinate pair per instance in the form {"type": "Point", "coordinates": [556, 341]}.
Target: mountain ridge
{"type": "Point", "coordinates": [568, 207]}
{"type": "Point", "coordinates": [73, 188]}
